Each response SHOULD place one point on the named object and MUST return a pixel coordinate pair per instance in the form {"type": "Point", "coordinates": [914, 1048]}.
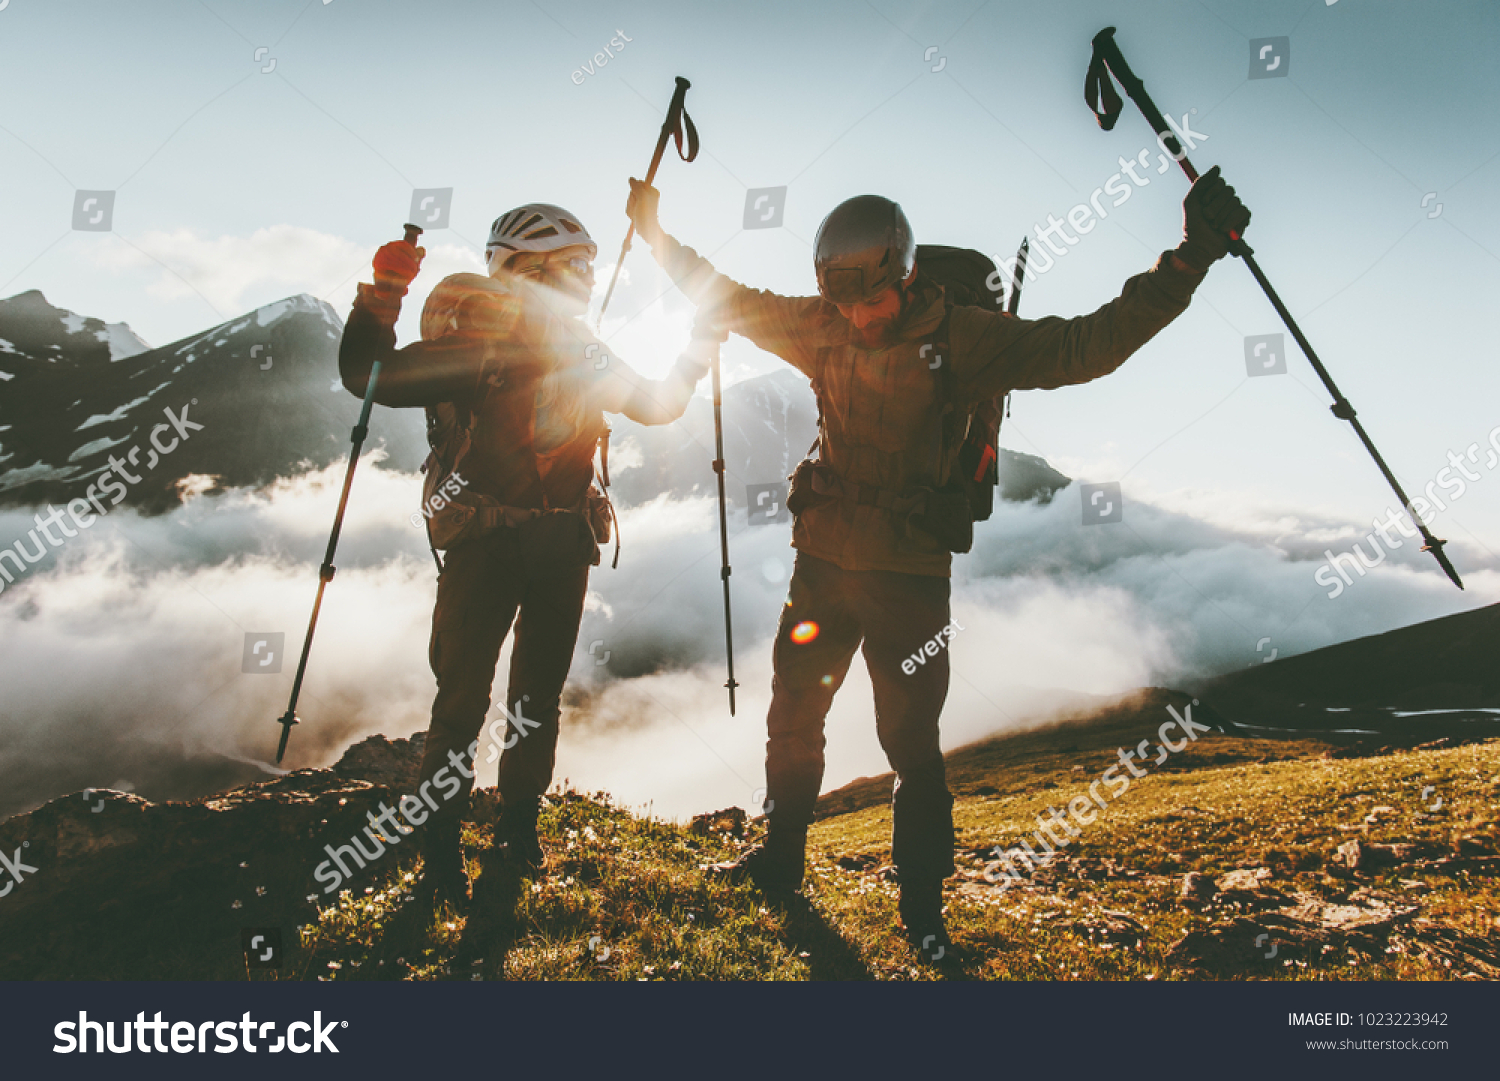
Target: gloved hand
{"type": "Point", "coordinates": [641, 207]}
{"type": "Point", "coordinates": [396, 264]}
{"type": "Point", "coordinates": [1209, 212]}
{"type": "Point", "coordinates": [696, 359]}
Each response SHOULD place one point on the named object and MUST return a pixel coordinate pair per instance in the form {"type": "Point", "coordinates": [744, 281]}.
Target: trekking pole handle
{"type": "Point", "coordinates": [1108, 49]}
{"type": "Point", "coordinates": [412, 232]}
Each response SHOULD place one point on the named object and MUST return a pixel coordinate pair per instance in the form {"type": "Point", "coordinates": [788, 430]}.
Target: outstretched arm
{"type": "Point", "coordinates": [791, 327]}
{"type": "Point", "coordinates": [619, 388]}
{"type": "Point", "coordinates": [995, 354]}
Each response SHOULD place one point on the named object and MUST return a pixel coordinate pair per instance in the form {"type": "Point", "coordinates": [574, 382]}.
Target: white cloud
{"type": "Point", "coordinates": [237, 273]}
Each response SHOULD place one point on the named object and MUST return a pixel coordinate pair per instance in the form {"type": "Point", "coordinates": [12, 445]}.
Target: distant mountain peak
{"type": "Point", "coordinates": [40, 328]}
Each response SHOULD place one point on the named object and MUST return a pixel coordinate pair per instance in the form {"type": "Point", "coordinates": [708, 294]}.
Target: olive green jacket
{"type": "Point", "coordinates": [880, 407]}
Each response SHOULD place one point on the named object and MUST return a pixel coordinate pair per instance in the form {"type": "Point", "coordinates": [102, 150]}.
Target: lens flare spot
{"type": "Point", "coordinates": [804, 632]}
{"type": "Point", "coordinates": [828, 681]}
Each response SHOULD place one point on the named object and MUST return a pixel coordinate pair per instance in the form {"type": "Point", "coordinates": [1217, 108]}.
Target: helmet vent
{"type": "Point", "coordinates": [527, 224]}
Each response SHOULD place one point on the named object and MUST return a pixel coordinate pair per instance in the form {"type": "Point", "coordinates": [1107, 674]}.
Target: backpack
{"type": "Point", "coordinates": [964, 275]}
{"type": "Point", "coordinates": [949, 509]}
{"type": "Point", "coordinates": [450, 516]}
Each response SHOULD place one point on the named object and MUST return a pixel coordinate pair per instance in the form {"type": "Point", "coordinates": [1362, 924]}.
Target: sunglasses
{"type": "Point", "coordinates": [574, 264]}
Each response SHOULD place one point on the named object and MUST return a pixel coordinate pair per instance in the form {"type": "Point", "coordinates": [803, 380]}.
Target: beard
{"type": "Point", "coordinates": [873, 336]}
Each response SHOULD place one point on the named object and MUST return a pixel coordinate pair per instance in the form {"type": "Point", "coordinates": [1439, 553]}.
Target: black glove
{"type": "Point", "coordinates": [1210, 211]}
{"type": "Point", "coordinates": [641, 208]}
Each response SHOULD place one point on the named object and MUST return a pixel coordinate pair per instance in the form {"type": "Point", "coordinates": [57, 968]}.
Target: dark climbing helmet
{"type": "Point", "coordinates": [864, 246]}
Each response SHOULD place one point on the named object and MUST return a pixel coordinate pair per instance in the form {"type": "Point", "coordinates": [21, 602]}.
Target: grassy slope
{"type": "Point", "coordinates": [634, 887]}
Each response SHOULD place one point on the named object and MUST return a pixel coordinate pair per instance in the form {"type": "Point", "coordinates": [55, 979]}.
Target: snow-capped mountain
{"type": "Point", "coordinates": [75, 391]}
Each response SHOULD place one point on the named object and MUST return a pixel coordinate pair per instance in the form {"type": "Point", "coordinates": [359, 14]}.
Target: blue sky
{"type": "Point", "coordinates": [250, 185]}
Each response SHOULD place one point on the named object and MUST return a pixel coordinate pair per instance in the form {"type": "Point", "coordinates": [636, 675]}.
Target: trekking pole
{"type": "Point", "coordinates": [724, 570]}
{"type": "Point", "coordinates": [326, 572]}
{"type": "Point", "coordinates": [1013, 303]}
{"type": "Point", "coordinates": [1100, 95]}
{"type": "Point", "coordinates": [671, 127]}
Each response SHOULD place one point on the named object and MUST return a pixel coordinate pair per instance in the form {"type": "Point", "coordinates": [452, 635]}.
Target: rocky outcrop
{"type": "Point", "coordinates": [109, 881]}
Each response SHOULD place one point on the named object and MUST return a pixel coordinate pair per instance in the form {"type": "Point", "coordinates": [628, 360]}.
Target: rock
{"type": "Point", "coordinates": [1110, 926]}
{"type": "Point", "coordinates": [1299, 931]}
{"type": "Point", "coordinates": [1197, 889]}
{"type": "Point", "coordinates": [731, 820]}
{"type": "Point", "coordinates": [1251, 878]}
{"type": "Point", "coordinates": [1367, 856]}
{"type": "Point", "coordinates": [1249, 888]}
{"type": "Point", "coordinates": [185, 878]}
{"type": "Point", "coordinates": [1350, 854]}
{"type": "Point", "coordinates": [394, 763]}
{"type": "Point", "coordinates": [1474, 955]}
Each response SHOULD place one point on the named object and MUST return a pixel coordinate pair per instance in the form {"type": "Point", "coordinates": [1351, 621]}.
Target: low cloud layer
{"type": "Point", "coordinates": [121, 654]}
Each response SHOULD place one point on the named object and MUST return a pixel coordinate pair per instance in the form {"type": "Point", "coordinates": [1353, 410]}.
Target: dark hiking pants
{"type": "Point", "coordinates": [829, 613]}
{"type": "Point", "coordinates": [539, 572]}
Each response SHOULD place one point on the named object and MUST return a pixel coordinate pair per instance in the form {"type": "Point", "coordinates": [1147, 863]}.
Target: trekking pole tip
{"type": "Point", "coordinates": [286, 721]}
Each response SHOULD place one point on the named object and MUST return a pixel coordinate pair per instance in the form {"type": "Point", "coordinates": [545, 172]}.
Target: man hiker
{"type": "Point", "coordinates": [872, 565]}
{"type": "Point", "coordinates": [515, 388]}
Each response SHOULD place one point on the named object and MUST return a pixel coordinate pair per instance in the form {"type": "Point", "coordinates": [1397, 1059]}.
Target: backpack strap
{"type": "Point", "coordinates": [821, 438]}
{"type": "Point", "coordinates": [945, 401]}
{"type": "Point", "coordinates": [603, 474]}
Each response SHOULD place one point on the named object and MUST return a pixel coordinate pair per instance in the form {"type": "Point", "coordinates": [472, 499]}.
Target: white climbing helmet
{"type": "Point", "coordinates": [535, 227]}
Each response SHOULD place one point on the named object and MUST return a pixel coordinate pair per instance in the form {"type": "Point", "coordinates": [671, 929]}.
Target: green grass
{"type": "Point", "coordinates": [634, 886]}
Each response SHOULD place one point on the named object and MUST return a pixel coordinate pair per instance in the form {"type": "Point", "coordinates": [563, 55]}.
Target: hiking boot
{"type": "Point", "coordinates": [443, 876]}
{"type": "Point", "coordinates": [921, 910]}
{"type": "Point", "coordinates": [775, 866]}
{"type": "Point", "coordinates": [515, 837]}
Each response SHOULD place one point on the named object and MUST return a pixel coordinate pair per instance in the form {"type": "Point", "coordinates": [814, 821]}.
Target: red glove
{"type": "Point", "coordinates": [396, 264]}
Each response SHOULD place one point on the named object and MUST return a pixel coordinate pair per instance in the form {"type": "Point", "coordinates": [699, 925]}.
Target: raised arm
{"type": "Point", "coordinates": [790, 327]}
{"type": "Point", "coordinates": [619, 388]}
{"type": "Point", "coordinates": [995, 353]}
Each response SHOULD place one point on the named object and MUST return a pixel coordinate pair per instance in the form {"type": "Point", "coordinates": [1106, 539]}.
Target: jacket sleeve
{"type": "Point", "coordinates": [793, 328]}
{"type": "Point", "coordinates": [995, 353]}
{"type": "Point", "coordinates": [420, 374]}
{"type": "Point", "coordinates": [619, 388]}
